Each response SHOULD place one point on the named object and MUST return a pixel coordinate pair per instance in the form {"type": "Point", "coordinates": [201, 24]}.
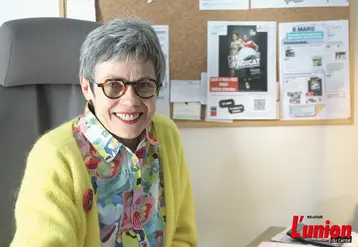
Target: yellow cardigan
{"type": "Point", "coordinates": [49, 210]}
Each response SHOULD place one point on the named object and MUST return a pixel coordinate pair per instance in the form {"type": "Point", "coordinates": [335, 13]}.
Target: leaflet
{"type": "Point", "coordinates": [314, 70]}
{"type": "Point", "coordinates": [223, 4]}
{"type": "Point", "coordinates": [185, 91]}
{"type": "Point", "coordinates": [162, 32]}
{"type": "Point", "coordinates": [163, 101]}
{"type": "Point", "coordinates": [81, 9]}
{"type": "Point", "coordinates": [297, 3]}
{"type": "Point", "coordinates": [241, 72]}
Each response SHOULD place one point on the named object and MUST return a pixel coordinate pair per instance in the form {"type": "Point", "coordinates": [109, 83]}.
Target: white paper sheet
{"type": "Point", "coordinates": [218, 120]}
{"type": "Point", "coordinates": [223, 4]}
{"type": "Point", "coordinates": [297, 3]}
{"type": "Point", "coordinates": [163, 101]}
{"type": "Point", "coordinates": [163, 36]}
{"type": "Point", "coordinates": [17, 9]}
{"type": "Point", "coordinates": [320, 87]}
{"type": "Point", "coordinates": [185, 91]}
{"type": "Point", "coordinates": [81, 9]}
{"type": "Point", "coordinates": [204, 88]}
{"type": "Point", "coordinates": [241, 70]}
{"type": "Point", "coordinates": [187, 110]}
{"type": "Point", "coordinates": [273, 244]}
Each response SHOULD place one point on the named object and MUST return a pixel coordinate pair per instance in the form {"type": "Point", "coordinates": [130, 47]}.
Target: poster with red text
{"type": "Point", "coordinates": [241, 72]}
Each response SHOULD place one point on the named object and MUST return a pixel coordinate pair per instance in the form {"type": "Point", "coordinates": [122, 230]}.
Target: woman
{"type": "Point", "coordinates": [116, 175]}
{"type": "Point", "coordinates": [235, 46]}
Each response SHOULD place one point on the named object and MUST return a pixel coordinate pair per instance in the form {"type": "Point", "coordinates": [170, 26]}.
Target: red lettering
{"type": "Point", "coordinates": [294, 233]}
{"type": "Point", "coordinates": [335, 231]}
{"type": "Point", "coordinates": [305, 233]}
{"type": "Point", "coordinates": [326, 230]}
{"type": "Point", "coordinates": [346, 231]}
{"type": "Point", "coordinates": [320, 231]}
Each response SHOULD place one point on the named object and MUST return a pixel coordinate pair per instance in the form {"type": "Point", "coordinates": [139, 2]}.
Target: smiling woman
{"type": "Point", "coordinates": [120, 107]}
{"type": "Point", "coordinates": [115, 175]}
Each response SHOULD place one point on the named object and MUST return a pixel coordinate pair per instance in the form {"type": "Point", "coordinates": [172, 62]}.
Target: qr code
{"type": "Point", "coordinates": [259, 104]}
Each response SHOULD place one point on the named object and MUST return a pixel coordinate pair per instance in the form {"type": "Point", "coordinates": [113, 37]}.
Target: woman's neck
{"type": "Point", "coordinates": [132, 144]}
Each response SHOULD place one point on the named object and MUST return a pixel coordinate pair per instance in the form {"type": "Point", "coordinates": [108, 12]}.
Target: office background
{"type": "Point", "coordinates": [247, 179]}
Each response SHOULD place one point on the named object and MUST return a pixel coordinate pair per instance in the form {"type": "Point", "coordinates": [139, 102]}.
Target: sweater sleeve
{"type": "Point", "coordinates": [45, 212]}
{"type": "Point", "coordinates": [186, 232]}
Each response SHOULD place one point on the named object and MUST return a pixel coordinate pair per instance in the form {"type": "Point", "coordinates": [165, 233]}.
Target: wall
{"type": "Point", "coordinates": [247, 179]}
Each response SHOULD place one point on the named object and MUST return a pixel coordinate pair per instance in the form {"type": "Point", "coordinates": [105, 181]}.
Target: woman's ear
{"type": "Point", "coordinates": [86, 89]}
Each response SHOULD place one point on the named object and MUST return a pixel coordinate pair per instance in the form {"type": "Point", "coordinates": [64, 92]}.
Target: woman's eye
{"type": "Point", "coordinates": [113, 84]}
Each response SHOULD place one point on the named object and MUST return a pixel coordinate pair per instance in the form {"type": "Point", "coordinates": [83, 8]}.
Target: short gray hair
{"type": "Point", "coordinates": [122, 39]}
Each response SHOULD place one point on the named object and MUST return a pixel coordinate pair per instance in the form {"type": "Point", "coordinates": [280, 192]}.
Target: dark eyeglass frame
{"type": "Point", "coordinates": [126, 84]}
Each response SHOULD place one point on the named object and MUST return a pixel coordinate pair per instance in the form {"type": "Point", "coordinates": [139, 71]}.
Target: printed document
{"type": "Point", "coordinates": [297, 3]}
{"type": "Point", "coordinates": [223, 4]}
{"type": "Point", "coordinates": [163, 100]}
{"type": "Point", "coordinates": [185, 91]}
{"type": "Point", "coordinates": [204, 88]}
{"type": "Point", "coordinates": [162, 32]}
{"type": "Point", "coordinates": [241, 70]}
{"type": "Point", "coordinates": [275, 244]}
{"type": "Point", "coordinates": [17, 9]}
{"type": "Point", "coordinates": [187, 110]}
{"type": "Point", "coordinates": [314, 70]}
{"type": "Point", "coordinates": [81, 10]}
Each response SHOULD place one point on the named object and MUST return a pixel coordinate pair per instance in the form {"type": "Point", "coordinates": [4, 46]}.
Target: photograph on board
{"type": "Point", "coordinates": [243, 54]}
{"type": "Point", "coordinates": [241, 72]}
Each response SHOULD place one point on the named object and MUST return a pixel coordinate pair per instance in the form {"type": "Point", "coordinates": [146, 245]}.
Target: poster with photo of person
{"type": "Point", "coordinates": [242, 70]}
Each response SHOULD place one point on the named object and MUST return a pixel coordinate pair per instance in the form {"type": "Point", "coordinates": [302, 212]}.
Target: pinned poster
{"type": "Point", "coordinates": [81, 10]}
{"type": "Point", "coordinates": [18, 9]}
{"type": "Point", "coordinates": [256, 4]}
{"type": "Point", "coordinates": [319, 88]}
{"type": "Point", "coordinates": [187, 110]}
{"type": "Point", "coordinates": [223, 4]}
{"type": "Point", "coordinates": [241, 70]}
{"type": "Point", "coordinates": [163, 100]}
{"type": "Point", "coordinates": [185, 91]}
{"type": "Point", "coordinates": [203, 88]}
{"type": "Point", "coordinates": [162, 32]}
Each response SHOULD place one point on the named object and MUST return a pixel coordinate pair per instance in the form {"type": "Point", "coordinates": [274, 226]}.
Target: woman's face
{"type": "Point", "coordinates": [129, 115]}
{"type": "Point", "coordinates": [234, 37]}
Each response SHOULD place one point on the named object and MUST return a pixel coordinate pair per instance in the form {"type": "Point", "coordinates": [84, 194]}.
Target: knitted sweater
{"type": "Point", "coordinates": [49, 211]}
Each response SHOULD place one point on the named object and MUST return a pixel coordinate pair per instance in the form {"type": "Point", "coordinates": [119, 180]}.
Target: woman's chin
{"type": "Point", "coordinates": [128, 129]}
{"type": "Point", "coordinates": [128, 132]}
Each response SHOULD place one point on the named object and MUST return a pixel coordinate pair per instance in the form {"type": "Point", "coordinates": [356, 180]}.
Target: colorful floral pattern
{"type": "Point", "coordinates": [129, 186]}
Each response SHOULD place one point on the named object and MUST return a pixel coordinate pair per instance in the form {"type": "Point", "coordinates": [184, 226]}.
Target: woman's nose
{"type": "Point", "coordinates": [130, 97]}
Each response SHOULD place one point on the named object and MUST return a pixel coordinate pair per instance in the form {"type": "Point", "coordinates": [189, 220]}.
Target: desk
{"type": "Point", "coordinates": [266, 235]}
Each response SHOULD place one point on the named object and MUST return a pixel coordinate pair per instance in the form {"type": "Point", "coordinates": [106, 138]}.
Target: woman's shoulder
{"type": "Point", "coordinates": [165, 128]}
{"type": "Point", "coordinates": [54, 154]}
{"type": "Point", "coordinates": [163, 123]}
{"type": "Point", "coordinates": [56, 139]}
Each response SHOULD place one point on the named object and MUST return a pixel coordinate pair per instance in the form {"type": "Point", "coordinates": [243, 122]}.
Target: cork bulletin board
{"type": "Point", "coordinates": [188, 40]}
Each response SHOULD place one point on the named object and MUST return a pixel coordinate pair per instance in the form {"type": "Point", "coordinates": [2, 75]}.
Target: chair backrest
{"type": "Point", "coordinates": [39, 90]}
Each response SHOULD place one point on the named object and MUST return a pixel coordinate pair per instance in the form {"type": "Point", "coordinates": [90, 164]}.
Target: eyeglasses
{"type": "Point", "coordinates": [116, 88]}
